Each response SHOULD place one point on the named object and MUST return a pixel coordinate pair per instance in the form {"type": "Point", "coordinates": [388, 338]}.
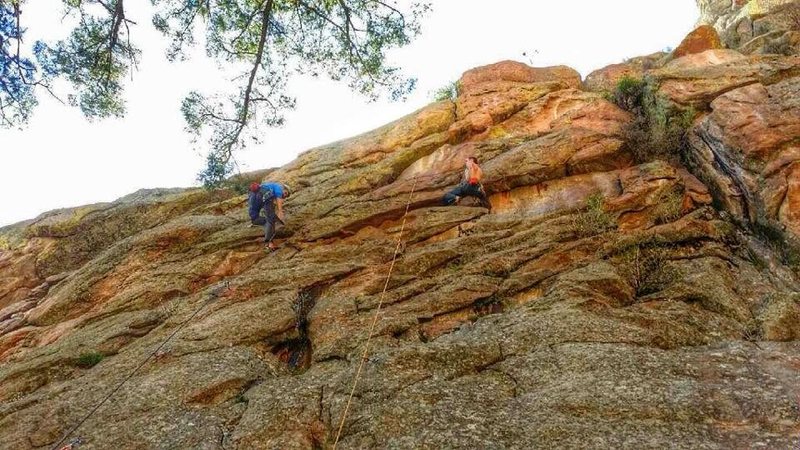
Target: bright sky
{"type": "Point", "coordinates": [60, 159]}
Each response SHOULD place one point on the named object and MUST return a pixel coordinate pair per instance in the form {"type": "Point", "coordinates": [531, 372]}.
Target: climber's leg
{"type": "Point", "coordinates": [480, 193]}
{"type": "Point", "coordinates": [454, 195]}
{"type": "Point", "coordinates": [269, 223]}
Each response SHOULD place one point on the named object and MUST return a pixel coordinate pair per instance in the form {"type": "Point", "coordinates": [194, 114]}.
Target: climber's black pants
{"type": "Point", "coordinates": [270, 220]}
{"type": "Point", "coordinates": [466, 190]}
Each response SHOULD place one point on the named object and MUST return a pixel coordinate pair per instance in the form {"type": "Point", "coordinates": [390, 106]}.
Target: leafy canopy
{"type": "Point", "coordinates": [266, 41]}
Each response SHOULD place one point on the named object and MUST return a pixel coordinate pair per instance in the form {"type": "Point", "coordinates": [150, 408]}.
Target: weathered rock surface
{"type": "Point", "coordinates": [703, 38]}
{"type": "Point", "coordinates": [696, 80]}
{"type": "Point", "coordinates": [606, 79]}
{"type": "Point", "coordinates": [601, 303]}
{"type": "Point", "coordinates": [747, 149]}
{"type": "Point", "coordinates": [755, 26]}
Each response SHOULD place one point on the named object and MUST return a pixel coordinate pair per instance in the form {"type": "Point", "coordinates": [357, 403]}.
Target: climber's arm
{"type": "Point", "coordinates": [279, 205]}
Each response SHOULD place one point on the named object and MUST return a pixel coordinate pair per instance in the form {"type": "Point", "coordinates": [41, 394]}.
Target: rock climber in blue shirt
{"type": "Point", "coordinates": [268, 196]}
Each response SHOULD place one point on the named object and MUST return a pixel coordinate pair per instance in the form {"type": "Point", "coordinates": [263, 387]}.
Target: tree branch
{"type": "Point", "coordinates": [266, 16]}
{"type": "Point", "coordinates": [245, 27]}
{"type": "Point", "coordinates": [352, 47]}
{"type": "Point", "coordinates": [395, 10]}
{"type": "Point", "coordinates": [116, 17]}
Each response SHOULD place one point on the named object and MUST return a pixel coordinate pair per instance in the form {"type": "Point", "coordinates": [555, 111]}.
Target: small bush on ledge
{"type": "Point", "coordinates": [628, 93]}
{"type": "Point", "coordinates": [658, 129]}
{"type": "Point", "coordinates": [645, 268]}
{"type": "Point", "coordinates": [669, 207]}
{"type": "Point", "coordinates": [593, 219]}
{"type": "Point", "coordinates": [450, 91]}
{"type": "Point", "coordinates": [89, 360]}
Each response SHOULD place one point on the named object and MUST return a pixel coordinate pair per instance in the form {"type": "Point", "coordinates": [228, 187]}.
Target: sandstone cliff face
{"type": "Point", "coordinates": [604, 302]}
{"type": "Point", "coordinates": [755, 26]}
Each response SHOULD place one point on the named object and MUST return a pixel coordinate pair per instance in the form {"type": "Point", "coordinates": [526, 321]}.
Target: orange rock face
{"type": "Point", "coordinates": [696, 80]}
{"type": "Point", "coordinates": [517, 72]}
{"type": "Point", "coordinates": [600, 302]}
{"type": "Point", "coordinates": [491, 94]}
{"type": "Point", "coordinates": [703, 38]}
{"type": "Point", "coordinates": [606, 79]}
{"type": "Point", "coordinates": [753, 132]}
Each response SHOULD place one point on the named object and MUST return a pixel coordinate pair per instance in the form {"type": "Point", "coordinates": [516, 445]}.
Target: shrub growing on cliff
{"type": "Point", "coordinates": [645, 268]}
{"type": "Point", "coordinates": [752, 331]}
{"type": "Point", "coordinates": [658, 130]}
{"type": "Point", "coordinates": [593, 219]}
{"type": "Point", "coordinates": [89, 359]}
{"type": "Point", "coordinates": [450, 91]}
{"type": "Point", "coordinates": [628, 93]}
{"type": "Point", "coordinates": [669, 207]}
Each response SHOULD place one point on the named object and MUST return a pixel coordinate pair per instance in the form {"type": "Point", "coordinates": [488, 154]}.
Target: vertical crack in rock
{"type": "Point", "coordinates": [297, 351]}
{"type": "Point", "coordinates": [727, 168]}
{"type": "Point", "coordinates": [228, 429]}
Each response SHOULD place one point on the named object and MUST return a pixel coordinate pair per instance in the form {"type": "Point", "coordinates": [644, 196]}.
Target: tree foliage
{"type": "Point", "coordinates": [16, 72]}
{"type": "Point", "coordinates": [265, 41]}
{"type": "Point", "coordinates": [94, 58]}
{"type": "Point", "coordinates": [450, 91]}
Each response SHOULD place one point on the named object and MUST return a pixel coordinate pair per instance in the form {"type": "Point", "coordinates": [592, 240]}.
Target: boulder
{"type": "Point", "coordinates": [606, 79]}
{"type": "Point", "coordinates": [517, 72]}
{"type": "Point", "coordinates": [491, 94]}
{"type": "Point", "coordinates": [703, 38]}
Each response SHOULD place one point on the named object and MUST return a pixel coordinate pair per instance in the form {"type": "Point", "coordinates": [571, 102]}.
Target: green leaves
{"type": "Point", "coordinates": [450, 91]}
{"type": "Point", "coordinates": [89, 359]}
{"type": "Point", "coordinates": [270, 40]}
{"type": "Point", "coordinates": [345, 39]}
{"type": "Point", "coordinates": [94, 67]}
{"type": "Point", "coordinates": [17, 73]}
{"type": "Point", "coordinates": [94, 59]}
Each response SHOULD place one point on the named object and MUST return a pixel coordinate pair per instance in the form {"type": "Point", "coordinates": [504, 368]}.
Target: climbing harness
{"type": "Point", "coordinates": [78, 441]}
{"type": "Point", "coordinates": [375, 318]}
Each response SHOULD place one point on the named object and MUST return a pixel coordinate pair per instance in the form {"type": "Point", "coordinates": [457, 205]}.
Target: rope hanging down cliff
{"type": "Point", "coordinates": [211, 296]}
{"type": "Point", "coordinates": [376, 317]}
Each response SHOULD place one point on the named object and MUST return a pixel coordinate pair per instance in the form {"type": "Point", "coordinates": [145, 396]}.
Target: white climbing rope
{"type": "Point", "coordinates": [375, 317]}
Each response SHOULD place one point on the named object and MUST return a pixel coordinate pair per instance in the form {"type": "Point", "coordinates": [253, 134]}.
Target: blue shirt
{"type": "Point", "coordinates": [275, 189]}
{"type": "Point", "coordinates": [256, 200]}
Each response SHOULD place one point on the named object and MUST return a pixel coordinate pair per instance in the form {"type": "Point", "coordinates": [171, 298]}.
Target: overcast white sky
{"type": "Point", "coordinates": [60, 159]}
